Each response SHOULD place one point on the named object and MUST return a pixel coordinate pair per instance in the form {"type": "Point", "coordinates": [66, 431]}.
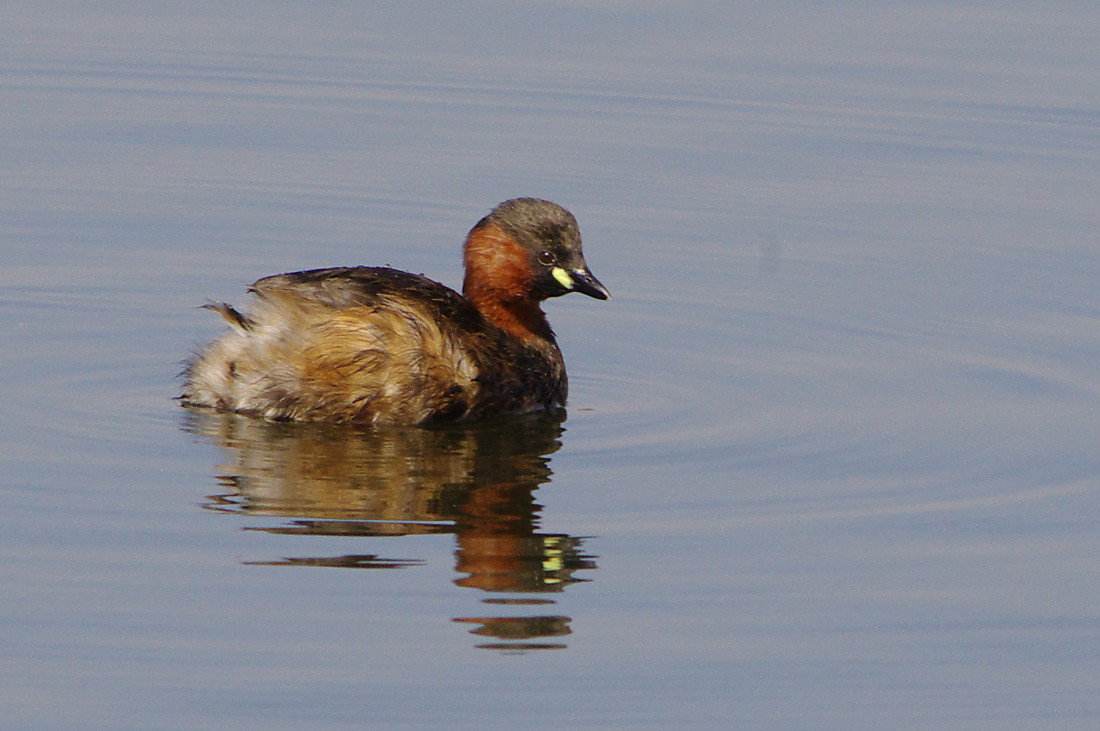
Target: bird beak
{"type": "Point", "coordinates": [585, 283]}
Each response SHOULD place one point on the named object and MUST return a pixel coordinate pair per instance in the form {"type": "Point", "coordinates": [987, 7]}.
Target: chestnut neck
{"type": "Point", "coordinates": [499, 281]}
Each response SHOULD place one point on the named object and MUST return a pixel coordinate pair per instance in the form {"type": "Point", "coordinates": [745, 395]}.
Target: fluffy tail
{"type": "Point", "coordinates": [232, 316]}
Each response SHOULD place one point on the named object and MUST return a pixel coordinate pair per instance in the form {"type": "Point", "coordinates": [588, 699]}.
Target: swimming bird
{"type": "Point", "coordinates": [377, 345]}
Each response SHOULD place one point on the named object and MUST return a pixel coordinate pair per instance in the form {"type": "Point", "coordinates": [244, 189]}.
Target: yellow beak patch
{"type": "Point", "coordinates": [563, 277]}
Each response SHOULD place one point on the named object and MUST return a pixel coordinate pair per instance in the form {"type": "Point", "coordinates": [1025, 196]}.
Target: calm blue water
{"type": "Point", "coordinates": [830, 458]}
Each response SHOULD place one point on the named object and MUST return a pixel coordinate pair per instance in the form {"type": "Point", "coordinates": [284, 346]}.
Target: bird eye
{"type": "Point", "coordinates": [546, 258]}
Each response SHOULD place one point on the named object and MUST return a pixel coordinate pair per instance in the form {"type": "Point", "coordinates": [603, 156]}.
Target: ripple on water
{"type": "Point", "coordinates": [841, 414]}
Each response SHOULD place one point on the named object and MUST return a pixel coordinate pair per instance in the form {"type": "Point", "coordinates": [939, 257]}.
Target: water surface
{"type": "Point", "coordinates": [829, 458]}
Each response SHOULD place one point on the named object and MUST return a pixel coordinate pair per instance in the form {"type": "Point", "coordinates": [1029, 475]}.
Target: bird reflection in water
{"type": "Point", "coordinates": [476, 481]}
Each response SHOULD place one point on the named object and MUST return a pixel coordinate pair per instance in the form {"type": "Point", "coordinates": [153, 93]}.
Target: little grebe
{"type": "Point", "coordinates": [377, 345]}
